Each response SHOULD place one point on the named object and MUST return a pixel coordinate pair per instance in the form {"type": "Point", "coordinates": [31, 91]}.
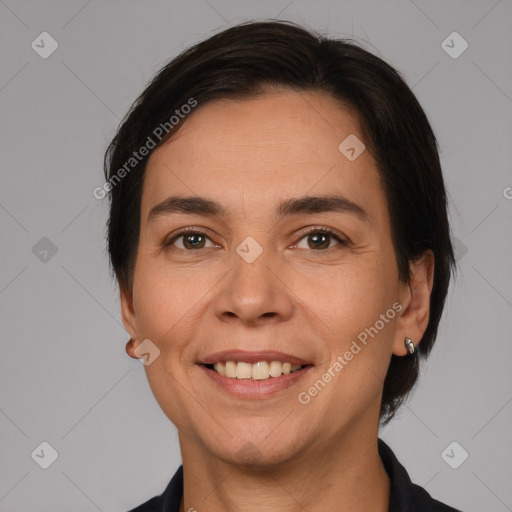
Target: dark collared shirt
{"type": "Point", "coordinates": [404, 497]}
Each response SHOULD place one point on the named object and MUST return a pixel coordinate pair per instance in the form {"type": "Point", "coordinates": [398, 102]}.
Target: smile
{"type": "Point", "coordinates": [260, 370]}
{"type": "Point", "coordinates": [253, 375]}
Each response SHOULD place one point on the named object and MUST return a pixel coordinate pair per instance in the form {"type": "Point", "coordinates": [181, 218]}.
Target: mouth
{"type": "Point", "coordinates": [254, 374]}
{"type": "Point", "coordinates": [240, 364]}
{"type": "Point", "coordinates": [261, 370]}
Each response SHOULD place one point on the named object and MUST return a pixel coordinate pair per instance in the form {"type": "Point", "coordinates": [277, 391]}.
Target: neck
{"type": "Point", "coordinates": [323, 477]}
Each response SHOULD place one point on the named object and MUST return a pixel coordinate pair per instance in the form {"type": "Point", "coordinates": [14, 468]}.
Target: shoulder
{"type": "Point", "coordinates": [424, 502]}
{"type": "Point", "coordinates": [406, 496]}
{"type": "Point", "coordinates": [152, 505]}
{"type": "Point", "coordinates": [169, 500]}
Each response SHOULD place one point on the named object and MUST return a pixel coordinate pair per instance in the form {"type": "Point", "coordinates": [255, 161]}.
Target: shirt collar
{"type": "Point", "coordinates": [400, 493]}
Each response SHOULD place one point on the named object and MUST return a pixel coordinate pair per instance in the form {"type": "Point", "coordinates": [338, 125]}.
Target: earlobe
{"type": "Point", "coordinates": [414, 318]}
{"type": "Point", "coordinates": [130, 348]}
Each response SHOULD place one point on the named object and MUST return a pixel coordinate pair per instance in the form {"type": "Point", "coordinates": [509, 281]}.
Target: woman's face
{"type": "Point", "coordinates": [262, 282]}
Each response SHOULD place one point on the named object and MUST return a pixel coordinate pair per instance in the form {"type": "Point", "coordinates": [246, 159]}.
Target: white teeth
{"type": "Point", "coordinates": [230, 369]}
{"type": "Point", "coordinates": [261, 370]}
{"type": "Point", "coordinates": [243, 371]}
{"type": "Point", "coordinates": [275, 369]}
{"type": "Point", "coordinates": [220, 368]}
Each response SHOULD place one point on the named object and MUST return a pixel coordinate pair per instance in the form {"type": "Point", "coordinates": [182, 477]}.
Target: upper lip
{"type": "Point", "coordinates": [252, 357]}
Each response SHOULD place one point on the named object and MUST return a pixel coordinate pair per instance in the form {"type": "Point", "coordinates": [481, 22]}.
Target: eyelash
{"type": "Point", "coordinates": [314, 229]}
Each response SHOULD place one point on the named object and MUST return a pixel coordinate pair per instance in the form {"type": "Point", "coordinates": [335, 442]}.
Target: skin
{"type": "Point", "coordinates": [310, 302]}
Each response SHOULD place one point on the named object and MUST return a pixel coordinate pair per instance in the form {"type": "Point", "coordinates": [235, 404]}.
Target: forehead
{"type": "Point", "coordinates": [262, 149]}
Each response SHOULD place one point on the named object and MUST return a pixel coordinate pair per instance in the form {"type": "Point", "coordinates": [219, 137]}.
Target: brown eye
{"type": "Point", "coordinates": [321, 239]}
{"type": "Point", "coordinates": [193, 241]}
{"type": "Point", "coordinates": [190, 240]}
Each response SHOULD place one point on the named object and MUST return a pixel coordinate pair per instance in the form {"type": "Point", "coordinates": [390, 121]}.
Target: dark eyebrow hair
{"type": "Point", "coordinates": [294, 206]}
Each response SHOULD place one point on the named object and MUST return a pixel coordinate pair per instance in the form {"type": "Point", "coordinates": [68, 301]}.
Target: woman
{"type": "Point", "coordinates": [279, 233]}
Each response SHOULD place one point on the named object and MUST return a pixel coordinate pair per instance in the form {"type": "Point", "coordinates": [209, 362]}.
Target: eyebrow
{"type": "Point", "coordinates": [300, 205]}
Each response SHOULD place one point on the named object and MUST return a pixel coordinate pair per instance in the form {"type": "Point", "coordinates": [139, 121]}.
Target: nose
{"type": "Point", "coordinates": [255, 293]}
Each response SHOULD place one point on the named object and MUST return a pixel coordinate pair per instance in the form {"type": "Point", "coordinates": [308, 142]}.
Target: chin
{"type": "Point", "coordinates": [255, 451]}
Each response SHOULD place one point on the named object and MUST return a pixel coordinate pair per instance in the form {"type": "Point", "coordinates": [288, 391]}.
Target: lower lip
{"type": "Point", "coordinates": [254, 389]}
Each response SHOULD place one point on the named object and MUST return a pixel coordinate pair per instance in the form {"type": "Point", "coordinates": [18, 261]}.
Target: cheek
{"type": "Point", "coordinates": [358, 310]}
{"type": "Point", "coordinates": [348, 298]}
{"type": "Point", "coordinates": [162, 301]}
{"type": "Point", "coordinates": [171, 303]}
{"type": "Point", "coordinates": [355, 303]}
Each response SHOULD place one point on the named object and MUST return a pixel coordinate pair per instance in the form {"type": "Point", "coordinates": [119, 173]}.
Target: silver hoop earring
{"type": "Point", "coordinates": [410, 345]}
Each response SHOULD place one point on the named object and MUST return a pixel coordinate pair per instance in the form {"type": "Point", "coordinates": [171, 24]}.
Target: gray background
{"type": "Point", "coordinates": [65, 378]}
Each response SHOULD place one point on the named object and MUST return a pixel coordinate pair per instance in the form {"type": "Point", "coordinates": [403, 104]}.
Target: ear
{"type": "Point", "coordinates": [129, 321]}
{"type": "Point", "coordinates": [415, 300]}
